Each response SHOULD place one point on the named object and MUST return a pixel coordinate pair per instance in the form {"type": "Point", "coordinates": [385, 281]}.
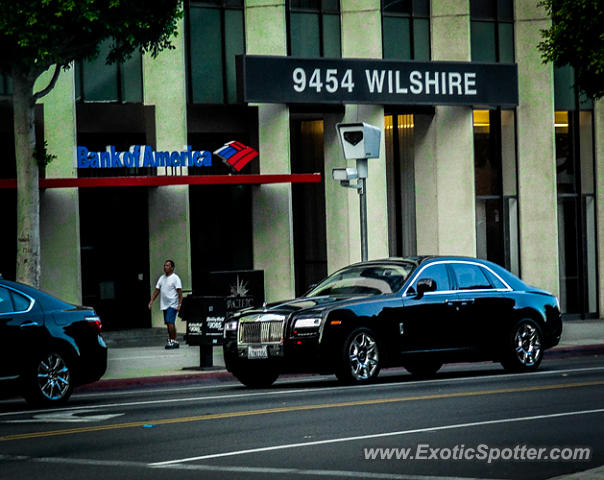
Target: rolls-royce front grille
{"type": "Point", "coordinates": [261, 332]}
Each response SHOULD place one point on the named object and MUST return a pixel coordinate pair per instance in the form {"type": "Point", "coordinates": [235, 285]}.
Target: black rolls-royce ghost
{"type": "Point", "coordinates": [417, 312]}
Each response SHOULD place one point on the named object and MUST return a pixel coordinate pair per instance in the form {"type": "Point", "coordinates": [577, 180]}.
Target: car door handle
{"type": "Point", "coordinates": [29, 324]}
{"type": "Point", "coordinates": [459, 303]}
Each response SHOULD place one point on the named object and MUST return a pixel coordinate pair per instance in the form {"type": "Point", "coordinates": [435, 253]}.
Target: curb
{"type": "Point", "coordinates": [178, 379]}
{"type": "Point", "coordinates": [575, 351]}
{"type": "Point", "coordinates": [221, 375]}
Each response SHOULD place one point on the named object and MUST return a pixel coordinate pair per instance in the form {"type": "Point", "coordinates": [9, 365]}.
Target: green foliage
{"type": "Point", "coordinates": [576, 38]}
{"type": "Point", "coordinates": [36, 34]}
{"type": "Point", "coordinates": [42, 156]}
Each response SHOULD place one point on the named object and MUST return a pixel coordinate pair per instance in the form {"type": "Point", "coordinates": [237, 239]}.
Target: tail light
{"type": "Point", "coordinates": [95, 322]}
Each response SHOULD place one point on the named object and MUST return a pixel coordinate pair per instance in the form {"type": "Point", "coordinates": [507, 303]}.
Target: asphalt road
{"type": "Point", "coordinates": [471, 421]}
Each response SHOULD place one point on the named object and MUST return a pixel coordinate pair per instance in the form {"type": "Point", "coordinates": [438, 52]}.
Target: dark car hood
{"type": "Point", "coordinates": [310, 304]}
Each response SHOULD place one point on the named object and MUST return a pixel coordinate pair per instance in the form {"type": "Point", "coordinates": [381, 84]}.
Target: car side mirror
{"type": "Point", "coordinates": [425, 285]}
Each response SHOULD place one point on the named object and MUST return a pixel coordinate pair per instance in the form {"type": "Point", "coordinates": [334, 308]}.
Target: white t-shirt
{"type": "Point", "coordinates": [168, 296]}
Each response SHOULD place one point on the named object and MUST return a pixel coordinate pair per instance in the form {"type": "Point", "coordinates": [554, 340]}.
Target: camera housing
{"type": "Point", "coordinates": [359, 140]}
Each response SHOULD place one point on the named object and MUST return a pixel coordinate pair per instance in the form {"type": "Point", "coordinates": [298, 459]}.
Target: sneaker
{"type": "Point", "coordinates": [172, 344]}
{"type": "Point", "coordinates": [175, 344]}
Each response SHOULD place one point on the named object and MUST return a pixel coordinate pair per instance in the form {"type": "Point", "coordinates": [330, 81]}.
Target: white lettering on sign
{"type": "Point", "coordinates": [330, 78]}
{"type": "Point", "coordinates": [422, 83]}
{"type": "Point", "coordinates": [195, 328]}
{"type": "Point", "coordinates": [215, 323]}
{"type": "Point", "coordinates": [378, 81]}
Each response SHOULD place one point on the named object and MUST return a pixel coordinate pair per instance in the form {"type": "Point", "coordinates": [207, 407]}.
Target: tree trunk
{"type": "Point", "coordinates": [28, 193]}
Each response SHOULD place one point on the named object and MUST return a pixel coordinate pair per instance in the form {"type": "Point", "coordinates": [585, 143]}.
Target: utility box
{"type": "Point", "coordinates": [205, 318]}
{"type": "Point", "coordinates": [224, 292]}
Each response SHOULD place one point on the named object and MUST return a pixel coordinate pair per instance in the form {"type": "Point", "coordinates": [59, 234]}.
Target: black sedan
{"type": "Point", "coordinates": [417, 312]}
{"type": "Point", "coordinates": [47, 346]}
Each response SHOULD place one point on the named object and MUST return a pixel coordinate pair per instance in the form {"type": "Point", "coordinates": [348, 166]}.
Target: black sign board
{"type": "Point", "coordinates": [271, 79]}
{"type": "Point", "coordinates": [241, 288]}
{"type": "Point", "coordinates": [205, 318]}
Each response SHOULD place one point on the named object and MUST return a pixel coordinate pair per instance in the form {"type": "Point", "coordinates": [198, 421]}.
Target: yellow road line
{"type": "Point", "coordinates": [300, 408]}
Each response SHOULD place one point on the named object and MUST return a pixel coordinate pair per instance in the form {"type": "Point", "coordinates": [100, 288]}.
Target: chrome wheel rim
{"type": "Point", "coordinates": [528, 344]}
{"type": "Point", "coordinates": [54, 377]}
{"type": "Point", "coordinates": [363, 357]}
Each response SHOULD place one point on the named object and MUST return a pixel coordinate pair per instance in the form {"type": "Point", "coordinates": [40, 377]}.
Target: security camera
{"type": "Point", "coordinates": [359, 140]}
{"type": "Point", "coordinates": [344, 174]}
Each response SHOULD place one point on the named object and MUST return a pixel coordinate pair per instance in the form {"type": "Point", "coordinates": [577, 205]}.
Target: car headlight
{"type": "Point", "coordinates": [230, 326]}
{"type": "Point", "coordinates": [307, 323]}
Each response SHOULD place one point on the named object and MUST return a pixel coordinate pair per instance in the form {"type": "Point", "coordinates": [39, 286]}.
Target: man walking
{"type": "Point", "coordinates": [169, 288]}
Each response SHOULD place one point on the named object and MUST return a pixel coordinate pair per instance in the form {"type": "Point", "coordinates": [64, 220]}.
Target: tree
{"type": "Point", "coordinates": [38, 35]}
{"type": "Point", "coordinates": [576, 38]}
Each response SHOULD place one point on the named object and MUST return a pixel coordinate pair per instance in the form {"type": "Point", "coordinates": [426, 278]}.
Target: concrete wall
{"type": "Point", "coordinates": [361, 38]}
{"type": "Point", "coordinates": [537, 194]}
{"type": "Point", "coordinates": [272, 204]}
{"type": "Point", "coordinates": [599, 160]}
{"type": "Point", "coordinates": [444, 150]}
{"type": "Point", "coordinates": [169, 226]}
{"type": "Point", "coordinates": [59, 208]}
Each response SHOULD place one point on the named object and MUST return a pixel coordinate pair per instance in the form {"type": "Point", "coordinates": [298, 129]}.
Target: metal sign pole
{"type": "Point", "coordinates": [363, 206]}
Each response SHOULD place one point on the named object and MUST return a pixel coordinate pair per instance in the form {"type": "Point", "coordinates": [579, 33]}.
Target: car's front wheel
{"type": "Point", "coordinates": [360, 361]}
{"type": "Point", "coordinates": [49, 380]}
{"type": "Point", "coordinates": [524, 352]}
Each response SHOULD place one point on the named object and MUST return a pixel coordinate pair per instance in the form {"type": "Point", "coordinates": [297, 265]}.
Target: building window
{"type": "Point", "coordinates": [6, 84]}
{"type": "Point", "coordinates": [496, 187]}
{"type": "Point", "coordinates": [314, 28]}
{"type": "Point", "coordinates": [575, 169]}
{"type": "Point", "coordinates": [214, 37]}
{"type": "Point", "coordinates": [308, 202]}
{"type": "Point", "coordinates": [564, 91]}
{"type": "Point", "coordinates": [406, 29]}
{"type": "Point", "coordinates": [400, 182]}
{"type": "Point", "coordinates": [492, 30]}
{"type": "Point", "coordinates": [119, 82]}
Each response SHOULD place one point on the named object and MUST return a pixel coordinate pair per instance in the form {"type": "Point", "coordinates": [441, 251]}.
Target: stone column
{"type": "Point", "coordinates": [361, 27]}
{"type": "Point", "coordinates": [599, 160]}
{"type": "Point", "coordinates": [537, 195]}
{"type": "Point", "coordinates": [59, 207]}
{"type": "Point", "coordinates": [444, 150]}
{"type": "Point", "coordinates": [272, 204]}
{"type": "Point", "coordinates": [169, 219]}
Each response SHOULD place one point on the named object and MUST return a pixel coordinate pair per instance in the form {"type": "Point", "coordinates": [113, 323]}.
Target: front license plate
{"type": "Point", "coordinates": [257, 352]}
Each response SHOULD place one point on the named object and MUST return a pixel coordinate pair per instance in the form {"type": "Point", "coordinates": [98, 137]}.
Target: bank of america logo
{"type": "Point", "coordinates": [236, 155]}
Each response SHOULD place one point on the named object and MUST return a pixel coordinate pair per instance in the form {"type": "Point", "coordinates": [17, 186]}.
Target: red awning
{"type": "Point", "coordinates": [259, 179]}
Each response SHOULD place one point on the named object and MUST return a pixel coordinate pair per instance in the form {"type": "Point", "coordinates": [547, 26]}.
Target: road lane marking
{"type": "Point", "coordinates": [281, 472]}
{"type": "Point", "coordinates": [279, 393]}
{"type": "Point", "coordinates": [376, 435]}
{"type": "Point", "coordinates": [68, 417]}
{"type": "Point", "coordinates": [298, 408]}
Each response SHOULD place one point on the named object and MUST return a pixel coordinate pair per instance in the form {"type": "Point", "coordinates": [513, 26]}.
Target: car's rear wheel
{"type": "Point", "coordinates": [258, 377]}
{"type": "Point", "coordinates": [49, 380]}
{"type": "Point", "coordinates": [360, 361]}
{"type": "Point", "coordinates": [524, 351]}
{"type": "Point", "coordinates": [423, 368]}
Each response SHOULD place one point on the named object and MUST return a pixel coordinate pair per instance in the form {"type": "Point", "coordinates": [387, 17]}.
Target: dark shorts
{"type": "Point", "coordinates": [170, 315]}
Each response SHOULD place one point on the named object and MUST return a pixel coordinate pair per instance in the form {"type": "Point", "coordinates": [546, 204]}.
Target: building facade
{"type": "Point", "coordinates": [521, 185]}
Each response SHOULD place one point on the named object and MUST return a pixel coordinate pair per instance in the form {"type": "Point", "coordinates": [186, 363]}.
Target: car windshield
{"type": "Point", "coordinates": [364, 280]}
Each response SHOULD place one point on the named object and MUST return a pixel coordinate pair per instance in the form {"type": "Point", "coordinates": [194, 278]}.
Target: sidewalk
{"type": "Point", "coordinates": [138, 357]}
